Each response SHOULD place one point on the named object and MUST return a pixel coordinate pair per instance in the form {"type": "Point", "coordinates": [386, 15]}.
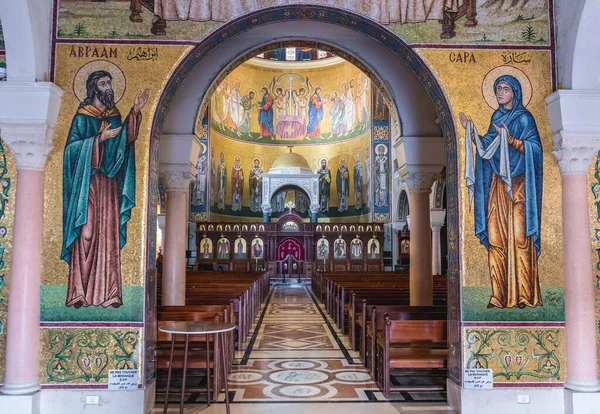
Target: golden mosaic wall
{"type": "Point", "coordinates": [467, 78]}
{"type": "Point", "coordinates": [139, 75]}
{"type": "Point", "coordinates": [460, 72]}
{"type": "Point", "coordinates": [134, 69]}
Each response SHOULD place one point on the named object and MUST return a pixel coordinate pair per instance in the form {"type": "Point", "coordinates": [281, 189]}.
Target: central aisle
{"type": "Point", "coordinates": [295, 363]}
{"type": "Point", "coordinates": [296, 355]}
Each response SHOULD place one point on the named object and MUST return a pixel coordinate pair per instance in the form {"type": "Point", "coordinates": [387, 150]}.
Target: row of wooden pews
{"type": "Point", "coordinates": [374, 310]}
{"type": "Point", "coordinates": [212, 296]}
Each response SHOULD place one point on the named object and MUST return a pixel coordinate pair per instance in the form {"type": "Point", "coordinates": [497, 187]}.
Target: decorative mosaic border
{"type": "Point", "coordinates": [517, 355]}
{"type": "Point", "coordinates": [80, 355]}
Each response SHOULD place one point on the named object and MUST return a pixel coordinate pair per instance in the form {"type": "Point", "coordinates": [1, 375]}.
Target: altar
{"type": "Point", "coordinates": [290, 127]}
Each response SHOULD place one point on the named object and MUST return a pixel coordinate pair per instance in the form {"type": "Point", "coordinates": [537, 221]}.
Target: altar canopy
{"type": "Point", "coordinates": [290, 170]}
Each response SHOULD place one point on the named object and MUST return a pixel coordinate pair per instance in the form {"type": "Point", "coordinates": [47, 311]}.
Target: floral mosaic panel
{"type": "Point", "coordinates": [85, 355]}
{"type": "Point", "coordinates": [532, 354]}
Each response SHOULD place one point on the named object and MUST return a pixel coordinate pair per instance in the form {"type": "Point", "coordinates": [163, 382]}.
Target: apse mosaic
{"type": "Point", "coordinates": [439, 21]}
{"type": "Point", "coordinates": [258, 102]}
{"type": "Point", "coordinates": [309, 108]}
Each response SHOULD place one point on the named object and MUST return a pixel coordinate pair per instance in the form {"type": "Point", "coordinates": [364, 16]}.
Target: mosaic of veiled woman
{"type": "Point", "coordinates": [506, 183]}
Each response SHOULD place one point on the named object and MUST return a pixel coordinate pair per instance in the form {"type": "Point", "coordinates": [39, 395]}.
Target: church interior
{"type": "Point", "coordinates": [214, 206]}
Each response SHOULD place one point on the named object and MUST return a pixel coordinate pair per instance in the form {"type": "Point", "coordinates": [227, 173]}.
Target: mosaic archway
{"type": "Point", "coordinates": [378, 35]}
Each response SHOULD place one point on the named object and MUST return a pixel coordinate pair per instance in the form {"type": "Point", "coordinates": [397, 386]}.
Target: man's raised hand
{"type": "Point", "coordinates": [140, 100]}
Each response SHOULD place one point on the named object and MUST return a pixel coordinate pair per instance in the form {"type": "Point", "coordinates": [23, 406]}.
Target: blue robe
{"type": "Point", "coordinates": [98, 196]}
{"type": "Point", "coordinates": [521, 125]}
{"type": "Point", "coordinates": [265, 116]}
{"type": "Point", "coordinates": [315, 113]}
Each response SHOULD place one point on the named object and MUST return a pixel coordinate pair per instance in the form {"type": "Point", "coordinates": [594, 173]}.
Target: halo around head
{"type": "Point", "coordinates": [81, 77]}
{"type": "Point", "coordinates": [385, 150]}
{"type": "Point", "coordinates": [487, 86]}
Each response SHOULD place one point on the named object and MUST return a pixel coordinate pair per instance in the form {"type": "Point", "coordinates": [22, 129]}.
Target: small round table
{"type": "Point", "coordinates": [199, 328]}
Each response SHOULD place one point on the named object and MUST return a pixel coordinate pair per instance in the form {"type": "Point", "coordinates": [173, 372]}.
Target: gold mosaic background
{"type": "Point", "coordinates": [140, 75]}
{"type": "Point", "coordinates": [462, 84]}
{"type": "Point", "coordinates": [531, 354]}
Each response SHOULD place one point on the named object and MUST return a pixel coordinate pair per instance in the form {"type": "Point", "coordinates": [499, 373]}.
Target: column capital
{"type": "Point", "coordinates": [420, 181]}
{"type": "Point", "coordinates": [437, 219]}
{"type": "Point", "coordinates": [29, 143]}
{"type": "Point", "coordinates": [575, 127]}
{"type": "Point", "coordinates": [575, 150]}
{"type": "Point", "coordinates": [28, 114]}
{"type": "Point", "coordinates": [176, 177]}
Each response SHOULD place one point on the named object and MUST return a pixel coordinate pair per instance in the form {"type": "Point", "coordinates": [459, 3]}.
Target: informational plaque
{"type": "Point", "coordinates": [478, 378]}
{"type": "Point", "coordinates": [123, 379]}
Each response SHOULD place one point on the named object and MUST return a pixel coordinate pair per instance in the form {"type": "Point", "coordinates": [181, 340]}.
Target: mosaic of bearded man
{"type": "Point", "coordinates": [98, 193]}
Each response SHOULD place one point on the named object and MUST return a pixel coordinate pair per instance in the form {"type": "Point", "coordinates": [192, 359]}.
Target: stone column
{"type": "Point", "coordinates": [314, 212]}
{"type": "Point", "coordinates": [421, 281]}
{"type": "Point", "coordinates": [176, 181]}
{"type": "Point", "coordinates": [26, 127]}
{"type": "Point", "coordinates": [580, 321]}
{"type": "Point", "coordinates": [437, 222]}
{"type": "Point", "coordinates": [30, 145]}
{"type": "Point", "coordinates": [576, 134]}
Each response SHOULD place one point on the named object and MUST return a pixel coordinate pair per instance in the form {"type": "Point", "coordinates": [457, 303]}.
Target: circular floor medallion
{"type": "Point", "coordinates": [244, 376]}
{"type": "Point", "coordinates": [298, 365]}
{"type": "Point", "coordinates": [353, 376]}
{"type": "Point", "coordinates": [299, 391]}
{"type": "Point", "coordinates": [298, 377]}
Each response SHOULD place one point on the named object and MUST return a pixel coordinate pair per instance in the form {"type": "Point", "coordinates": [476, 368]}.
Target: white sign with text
{"type": "Point", "coordinates": [123, 379]}
{"type": "Point", "coordinates": [478, 378]}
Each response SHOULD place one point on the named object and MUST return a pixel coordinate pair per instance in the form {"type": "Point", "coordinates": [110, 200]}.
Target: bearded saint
{"type": "Point", "coordinates": [98, 193]}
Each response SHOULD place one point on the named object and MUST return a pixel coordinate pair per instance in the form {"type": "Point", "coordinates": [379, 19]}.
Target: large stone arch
{"type": "Point", "coordinates": [26, 26]}
{"type": "Point", "coordinates": [578, 39]}
{"type": "Point", "coordinates": [408, 81]}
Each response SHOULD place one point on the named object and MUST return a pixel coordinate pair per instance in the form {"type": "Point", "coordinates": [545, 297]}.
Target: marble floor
{"type": "Point", "coordinates": [297, 362]}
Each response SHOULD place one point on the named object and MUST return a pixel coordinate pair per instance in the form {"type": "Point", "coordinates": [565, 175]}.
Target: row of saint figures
{"type": "Point", "coordinates": [341, 250]}
{"type": "Point", "coordinates": [356, 180]}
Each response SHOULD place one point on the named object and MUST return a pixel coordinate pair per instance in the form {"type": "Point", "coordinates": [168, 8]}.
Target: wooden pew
{"type": "Point", "coordinates": [375, 324]}
{"type": "Point", "coordinates": [410, 344]}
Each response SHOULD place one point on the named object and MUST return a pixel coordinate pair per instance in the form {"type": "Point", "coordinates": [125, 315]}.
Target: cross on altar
{"type": "Point", "coordinates": [290, 147]}
{"type": "Point", "coordinates": [290, 204]}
